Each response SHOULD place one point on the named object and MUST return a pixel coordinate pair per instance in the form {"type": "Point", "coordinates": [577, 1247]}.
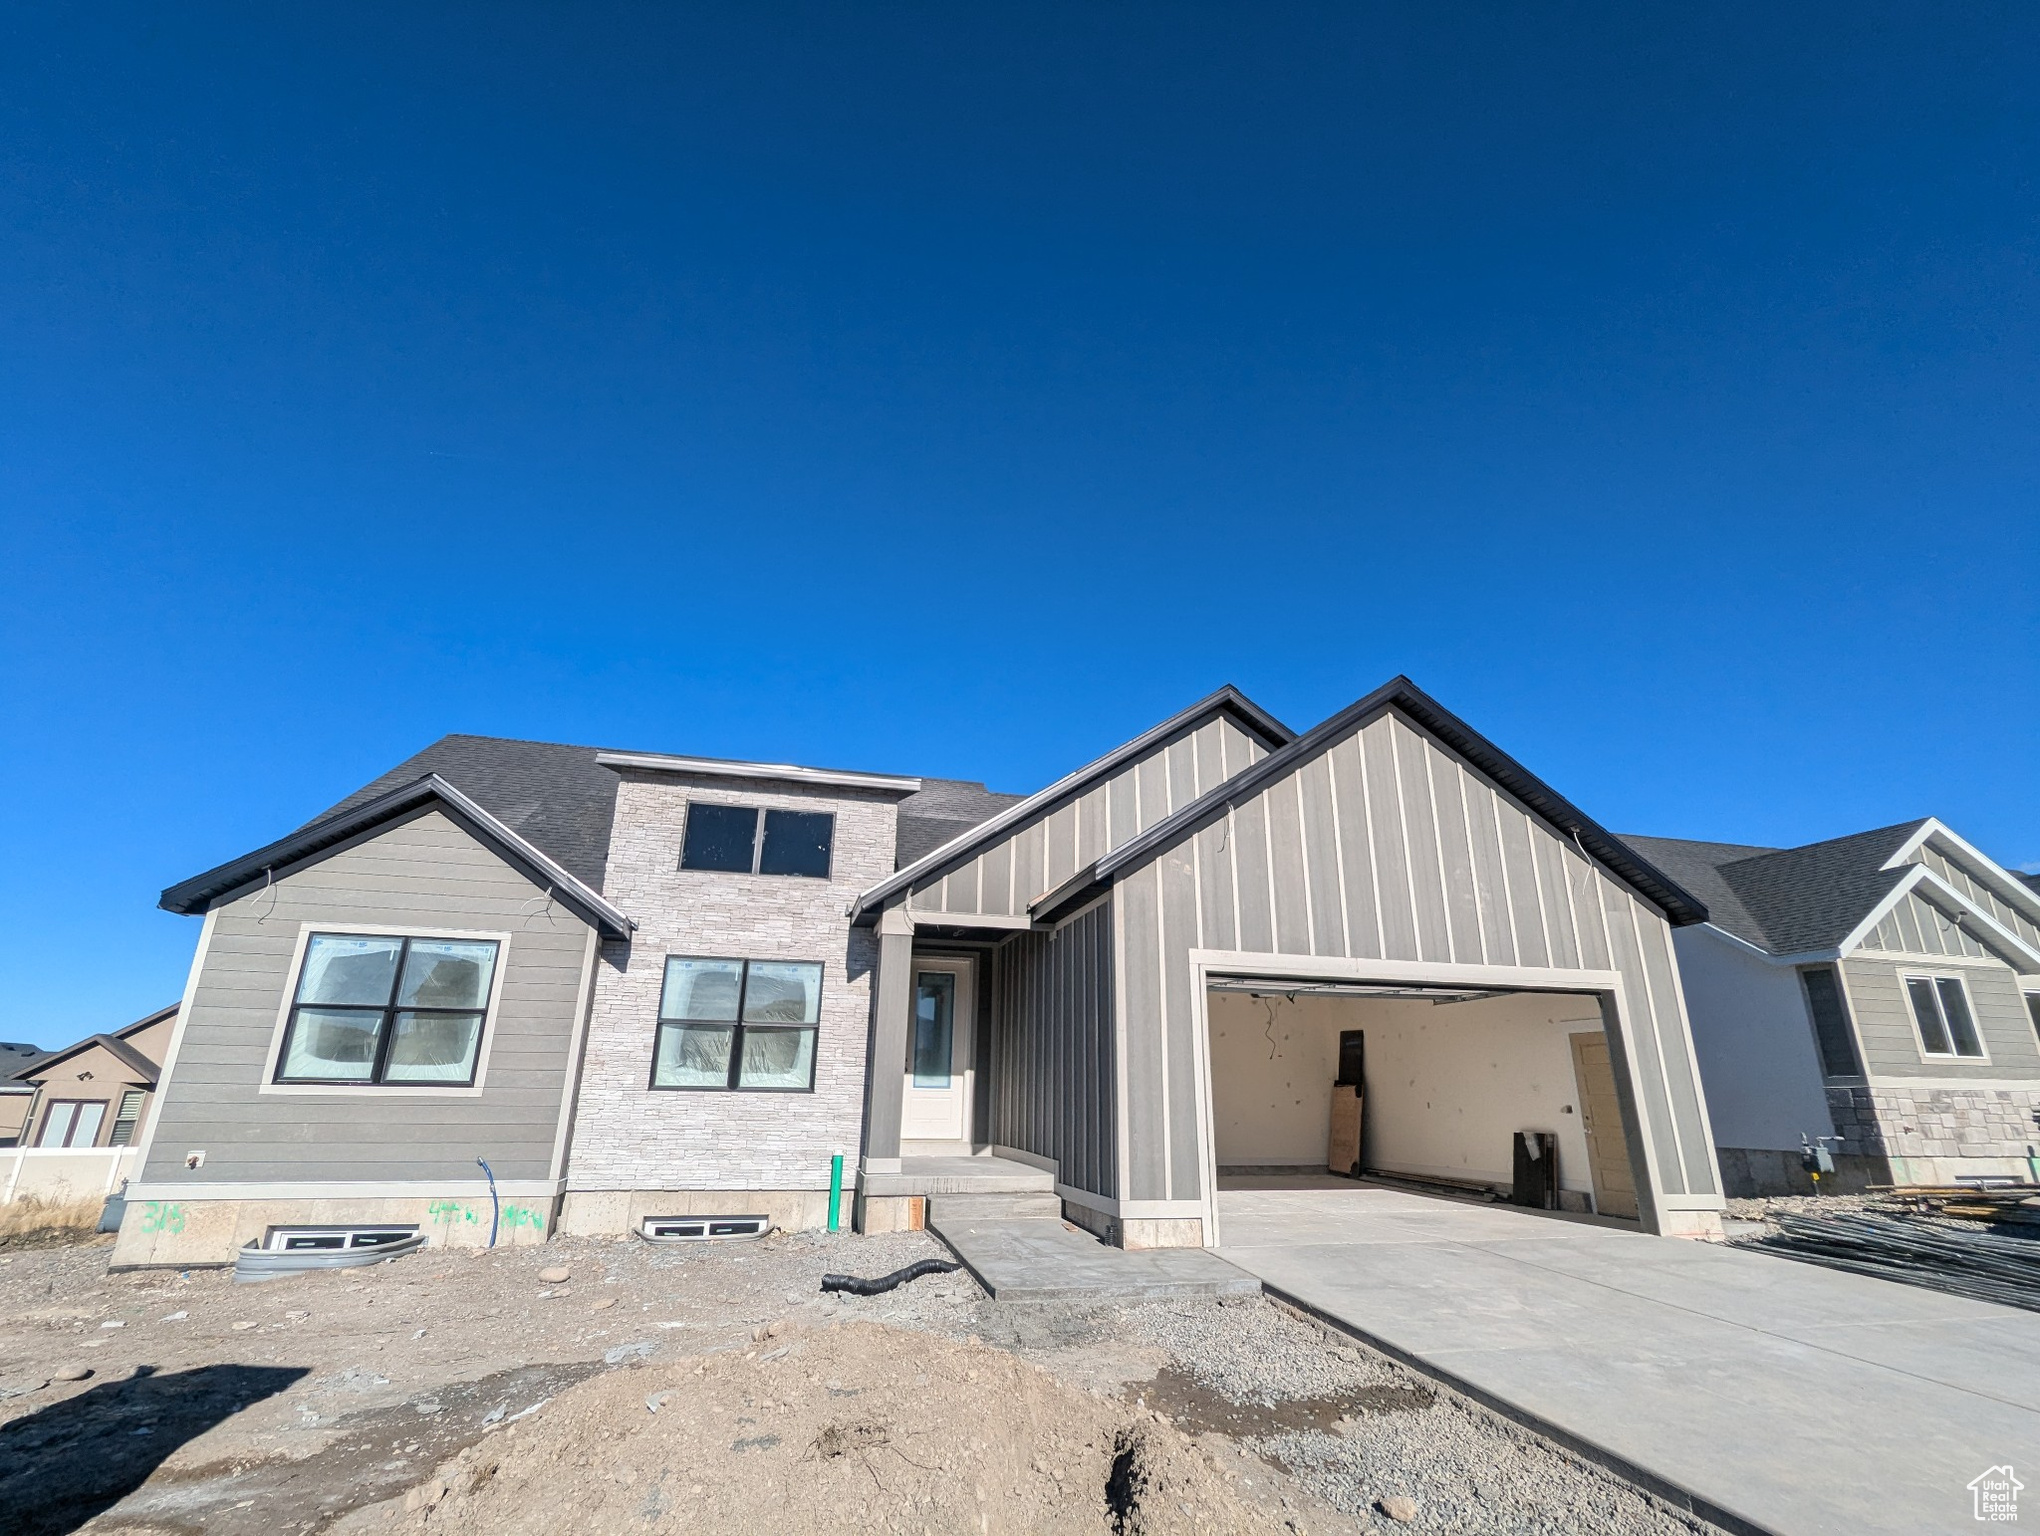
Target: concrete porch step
{"type": "Point", "coordinates": [981, 1175]}
{"type": "Point", "coordinates": [965, 1209]}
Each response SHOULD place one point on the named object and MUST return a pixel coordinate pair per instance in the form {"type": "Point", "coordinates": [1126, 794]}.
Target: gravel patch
{"type": "Point", "coordinates": [373, 1377]}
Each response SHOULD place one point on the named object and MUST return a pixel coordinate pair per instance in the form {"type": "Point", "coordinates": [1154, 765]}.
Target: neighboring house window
{"type": "Point", "coordinates": [1831, 1023]}
{"type": "Point", "coordinates": [126, 1118]}
{"type": "Point", "coordinates": [378, 1009]}
{"type": "Point", "coordinates": [744, 840]}
{"type": "Point", "coordinates": [2033, 1010]}
{"type": "Point", "coordinates": [738, 1024]}
{"type": "Point", "coordinates": [72, 1123]}
{"type": "Point", "coordinates": [1940, 1006]}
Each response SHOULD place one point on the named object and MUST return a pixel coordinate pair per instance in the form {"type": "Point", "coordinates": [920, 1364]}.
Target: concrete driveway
{"type": "Point", "coordinates": [1770, 1395]}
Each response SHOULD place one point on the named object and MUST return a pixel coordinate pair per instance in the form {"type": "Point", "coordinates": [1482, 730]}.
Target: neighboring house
{"type": "Point", "coordinates": [15, 1098]}
{"type": "Point", "coordinates": [96, 1092]}
{"type": "Point", "coordinates": [1883, 988]}
{"type": "Point", "coordinates": [638, 985]}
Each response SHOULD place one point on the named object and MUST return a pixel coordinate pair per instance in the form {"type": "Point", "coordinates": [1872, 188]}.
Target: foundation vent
{"type": "Point", "coordinates": [332, 1239]}
{"type": "Point", "coordinates": [702, 1229]}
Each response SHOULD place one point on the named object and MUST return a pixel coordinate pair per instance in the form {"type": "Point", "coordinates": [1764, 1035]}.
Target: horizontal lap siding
{"type": "Point", "coordinates": [426, 874]}
{"type": "Point", "coordinates": [1388, 846]}
{"type": "Point", "coordinates": [1891, 1043]}
{"type": "Point", "coordinates": [1052, 1091]}
{"type": "Point", "coordinates": [1038, 856]}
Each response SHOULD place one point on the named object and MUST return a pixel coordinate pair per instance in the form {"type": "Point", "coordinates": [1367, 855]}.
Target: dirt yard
{"type": "Point", "coordinates": [716, 1390]}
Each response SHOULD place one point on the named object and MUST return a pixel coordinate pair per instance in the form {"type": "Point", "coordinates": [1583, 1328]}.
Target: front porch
{"type": "Point", "coordinates": [984, 1173]}
{"type": "Point", "coordinates": [904, 1200]}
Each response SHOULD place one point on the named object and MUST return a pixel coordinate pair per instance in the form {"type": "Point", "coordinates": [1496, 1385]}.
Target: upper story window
{"type": "Point", "coordinates": [1831, 1030]}
{"type": "Point", "coordinates": [71, 1123]}
{"type": "Point", "coordinates": [745, 840]}
{"type": "Point", "coordinates": [1940, 1006]}
{"type": "Point", "coordinates": [383, 1009]}
{"type": "Point", "coordinates": [738, 1024]}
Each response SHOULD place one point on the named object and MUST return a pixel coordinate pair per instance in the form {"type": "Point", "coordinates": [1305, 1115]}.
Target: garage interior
{"type": "Point", "coordinates": [1448, 1078]}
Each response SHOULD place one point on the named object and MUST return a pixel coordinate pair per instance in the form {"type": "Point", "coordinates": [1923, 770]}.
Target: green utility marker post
{"type": "Point", "coordinates": [836, 1193]}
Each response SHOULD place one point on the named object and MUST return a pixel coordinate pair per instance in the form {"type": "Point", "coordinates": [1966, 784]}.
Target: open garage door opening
{"type": "Point", "coordinates": [1481, 1093]}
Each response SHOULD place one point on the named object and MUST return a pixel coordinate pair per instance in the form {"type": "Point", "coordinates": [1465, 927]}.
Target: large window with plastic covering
{"type": "Point", "coordinates": [387, 1010]}
{"type": "Point", "coordinates": [738, 1024]}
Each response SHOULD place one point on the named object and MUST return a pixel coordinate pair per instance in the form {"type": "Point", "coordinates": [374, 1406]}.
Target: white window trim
{"type": "Point", "coordinates": [1968, 998]}
{"type": "Point", "coordinates": [345, 1092]}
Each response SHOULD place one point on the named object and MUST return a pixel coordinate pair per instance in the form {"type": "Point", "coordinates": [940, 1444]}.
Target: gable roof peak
{"type": "Point", "coordinates": [1226, 697]}
{"type": "Point", "coordinates": [1404, 697]}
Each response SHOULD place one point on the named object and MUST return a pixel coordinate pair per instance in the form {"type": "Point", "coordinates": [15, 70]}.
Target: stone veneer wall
{"type": "Point", "coordinates": [1922, 1124]}
{"type": "Point", "coordinates": [630, 1137]}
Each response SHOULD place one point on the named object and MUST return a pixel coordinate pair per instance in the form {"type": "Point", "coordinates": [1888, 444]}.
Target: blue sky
{"type": "Point", "coordinates": [959, 389]}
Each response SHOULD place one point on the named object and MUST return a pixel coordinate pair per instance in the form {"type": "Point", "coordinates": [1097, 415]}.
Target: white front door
{"type": "Point", "coordinates": [936, 1105]}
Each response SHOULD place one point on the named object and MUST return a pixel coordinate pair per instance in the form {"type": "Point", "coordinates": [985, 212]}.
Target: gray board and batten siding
{"type": "Point", "coordinates": [425, 873]}
{"type": "Point", "coordinates": [1384, 844]}
{"type": "Point", "coordinates": [1915, 926]}
{"type": "Point", "coordinates": [1066, 833]}
{"type": "Point", "coordinates": [1962, 879]}
{"type": "Point", "coordinates": [1053, 1084]}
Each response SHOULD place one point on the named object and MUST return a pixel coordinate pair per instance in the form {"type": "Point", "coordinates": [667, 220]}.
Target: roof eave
{"type": "Point", "coordinates": [1082, 888]}
{"type": "Point", "coordinates": [144, 1069]}
{"type": "Point", "coordinates": [789, 773]}
{"type": "Point", "coordinates": [197, 894]}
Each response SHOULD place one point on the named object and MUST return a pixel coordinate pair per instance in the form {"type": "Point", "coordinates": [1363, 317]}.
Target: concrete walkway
{"type": "Point", "coordinates": [1774, 1396]}
{"type": "Point", "coordinates": [1046, 1259]}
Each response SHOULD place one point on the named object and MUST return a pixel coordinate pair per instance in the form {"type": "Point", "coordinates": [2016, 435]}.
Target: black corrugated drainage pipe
{"type": "Point", "coordinates": [883, 1283]}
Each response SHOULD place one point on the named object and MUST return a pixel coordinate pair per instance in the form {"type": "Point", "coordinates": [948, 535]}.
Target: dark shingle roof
{"type": "Point", "coordinates": [555, 797]}
{"type": "Point", "coordinates": [1786, 901]}
{"type": "Point", "coordinates": [942, 809]}
{"type": "Point", "coordinates": [2032, 880]}
{"type": "Point", "coordinates": [143, 1069]}
{"type": "Point", "coordinates": [562, 801]}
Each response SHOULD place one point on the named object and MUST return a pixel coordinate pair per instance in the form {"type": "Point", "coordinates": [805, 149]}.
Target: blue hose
{"type": "Point", "coordinates": [495, 1205]}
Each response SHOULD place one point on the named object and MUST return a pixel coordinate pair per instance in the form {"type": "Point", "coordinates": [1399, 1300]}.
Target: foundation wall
{"type": "Point", "coordinates": [1747, 1172]}
{"type": "Point", "coordinates": [615, 1212]}
{"type": "Point", "coordinates": [891, 1213]}
{"type": "Point", "coordinates": [1161, 1232]}
{"type": "Point", "coordinates": [190, 1233]}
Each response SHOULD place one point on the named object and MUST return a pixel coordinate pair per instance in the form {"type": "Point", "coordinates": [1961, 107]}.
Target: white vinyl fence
{"type": "Point", "coordinates": [63, 1173]}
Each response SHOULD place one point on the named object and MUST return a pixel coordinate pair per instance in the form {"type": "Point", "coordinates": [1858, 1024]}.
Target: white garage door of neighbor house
{"type": "Point", "coordinates": [936, 1104]}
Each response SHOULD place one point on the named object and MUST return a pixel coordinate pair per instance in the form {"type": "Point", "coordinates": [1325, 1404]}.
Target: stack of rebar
{"type": "Point", "coordinates": [1916, 1250]}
